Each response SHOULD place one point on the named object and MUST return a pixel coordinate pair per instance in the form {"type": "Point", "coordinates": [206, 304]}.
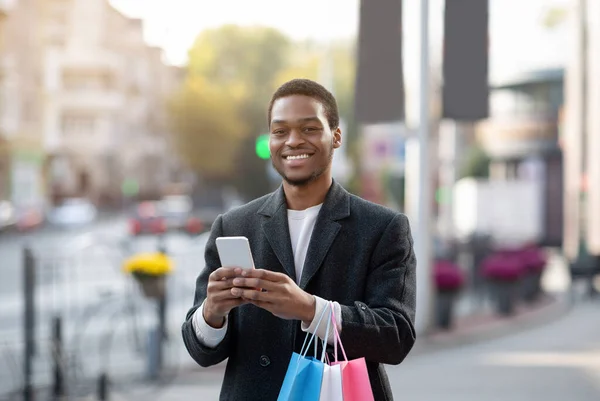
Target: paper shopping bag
{"type": "Point", "coordinates": [331, 386]}
{"type": "Point", "coordinates": [355, 376]}
{"type": "Point", "coordinates": [304, 375]}
{"type": "Point", "coordinates": [302, 380]}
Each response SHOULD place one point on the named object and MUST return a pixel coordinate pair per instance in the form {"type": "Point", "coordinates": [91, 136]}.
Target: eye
{"type": "Point", "coordinates": [278, 132]}
{"type": "Point", "coordinates": [311, 129]}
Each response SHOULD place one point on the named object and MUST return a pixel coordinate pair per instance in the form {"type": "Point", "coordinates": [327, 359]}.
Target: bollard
{"type": "Point", "coordinates": [103, 385]}
{"type": "Point", "coordinates": [154, 351]}
{"type": "Point", "coordinates": [29, 322]}
{"type": "Point", "coordinates": [58, 389]}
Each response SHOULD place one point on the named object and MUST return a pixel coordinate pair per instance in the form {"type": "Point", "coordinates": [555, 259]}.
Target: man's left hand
{"type": "Point", "coordinates": [280, 295]}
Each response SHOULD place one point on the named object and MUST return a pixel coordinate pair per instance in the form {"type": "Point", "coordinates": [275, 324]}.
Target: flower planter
{"type": "Point", "coordinates": [505, 295]}
{"type": "Point", "coordinates": [449, 280]}
{"type": "Point", "coordinates": [152, 286]}
{"type": "Point", "coordinates": [150, 271]}
{"type": "Point", "coordinates": [535, 262]}
{"type": "Point", "coordinates": [504, 271]}
{"type": "Point", "coordinates": [444, 308]}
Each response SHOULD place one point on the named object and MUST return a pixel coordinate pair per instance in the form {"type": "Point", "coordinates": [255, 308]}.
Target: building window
{"type": "Point", "coordinates": [87, 81]}
{"type": "Point", "coordinates": [78, 125]}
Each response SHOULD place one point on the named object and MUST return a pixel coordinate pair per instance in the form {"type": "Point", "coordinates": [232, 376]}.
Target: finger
{"type": "Point", "coordinates": [264, 275]}
{"type": "Point", "coordinates": [223, 296]}
{"type": "Point", "coordinates": [224, 272]}
{"type": "Point", "coordinates": [255, 283]}
{"type": "Point", "coordinates": [250, 294]}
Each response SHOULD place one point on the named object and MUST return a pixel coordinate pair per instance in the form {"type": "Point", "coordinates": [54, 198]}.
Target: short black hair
{"type": "Point", "coordinates": [312, 89]}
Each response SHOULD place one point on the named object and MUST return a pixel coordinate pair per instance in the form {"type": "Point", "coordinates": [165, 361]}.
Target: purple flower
{"type": "Point", "coordinates": [448, 276]}
{"type": "Point", "coordinates": [503, 266]}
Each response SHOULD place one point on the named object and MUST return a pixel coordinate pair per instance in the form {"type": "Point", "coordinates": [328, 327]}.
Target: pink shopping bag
{"type": "Point", "coordinates": [355, 376]}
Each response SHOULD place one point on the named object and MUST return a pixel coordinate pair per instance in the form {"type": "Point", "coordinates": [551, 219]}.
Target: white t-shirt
{"type": "Point", "coordinates": [301, 224]}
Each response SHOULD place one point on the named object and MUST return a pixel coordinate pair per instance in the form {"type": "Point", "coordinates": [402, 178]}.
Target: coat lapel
{"type": "Point", "coordinates": [335, 207]}
{"type": "Point", "coordinates": [277, 231]}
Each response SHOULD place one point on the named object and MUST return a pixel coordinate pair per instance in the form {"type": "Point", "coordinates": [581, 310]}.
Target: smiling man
{"type": "Point", "coordinates": [312, 242]}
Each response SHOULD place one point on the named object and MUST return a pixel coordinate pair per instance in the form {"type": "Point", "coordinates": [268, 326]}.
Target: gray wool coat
{"type": "Point", "coordinates": [360, 255]}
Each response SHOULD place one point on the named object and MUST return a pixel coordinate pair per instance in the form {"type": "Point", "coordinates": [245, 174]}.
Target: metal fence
{"type": "Point", "coordinates": [83, 326]}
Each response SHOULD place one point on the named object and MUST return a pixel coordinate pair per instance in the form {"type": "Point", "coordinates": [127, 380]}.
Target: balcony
{"type": "Point", "coordinates": [91, 100]}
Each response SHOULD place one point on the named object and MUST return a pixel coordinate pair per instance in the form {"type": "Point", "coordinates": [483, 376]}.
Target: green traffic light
{"type": "Point", "coordinates": [262, 146]}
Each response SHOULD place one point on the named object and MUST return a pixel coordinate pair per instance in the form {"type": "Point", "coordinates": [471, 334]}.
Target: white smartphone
{"type": "Point", "coordinates": [235, 252]}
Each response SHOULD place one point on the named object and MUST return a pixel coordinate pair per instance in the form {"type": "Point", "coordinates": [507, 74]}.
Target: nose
{"type": "Point", "coordinates": [294, 139]}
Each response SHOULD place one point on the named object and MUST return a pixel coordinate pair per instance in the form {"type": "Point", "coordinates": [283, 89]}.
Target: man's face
{"type": "Point", "coordinates": [301, 141]}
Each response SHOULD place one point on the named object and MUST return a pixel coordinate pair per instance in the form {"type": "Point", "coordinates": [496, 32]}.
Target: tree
{"type": "Point", "coordinates": [476, 163]}
{"type": "Point", "coordinates": [240, 63]}
{"type": "Point", "coordinates": [207, 128]}
{"type": "Point", "coordinates": [554, 17]}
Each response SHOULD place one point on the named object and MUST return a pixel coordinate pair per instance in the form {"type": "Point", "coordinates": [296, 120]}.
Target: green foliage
{"type": "Point", "coordinates": [476, 163]}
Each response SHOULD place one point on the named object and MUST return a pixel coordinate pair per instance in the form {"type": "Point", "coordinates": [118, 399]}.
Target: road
{"type": "Point", "coordinates": [106, 321]}
{"type": "Point", "coordinates": [556, 362]}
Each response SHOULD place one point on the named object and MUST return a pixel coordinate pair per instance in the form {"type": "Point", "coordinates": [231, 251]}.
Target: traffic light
{"type": "Point", "coordinates": [262, 146]}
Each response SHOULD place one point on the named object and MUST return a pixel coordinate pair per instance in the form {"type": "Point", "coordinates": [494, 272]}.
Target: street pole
{"type": "Point", "coordinates": [29, 323]}
{"type": "Point", "coordinates": [425, 293]}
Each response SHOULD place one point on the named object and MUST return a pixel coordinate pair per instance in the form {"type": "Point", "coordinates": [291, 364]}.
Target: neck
{"type": "Point", "coordinates": [305, 196]}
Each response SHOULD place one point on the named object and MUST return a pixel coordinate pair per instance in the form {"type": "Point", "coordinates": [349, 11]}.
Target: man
{"type": "Point", "coordinates": [312, 242]}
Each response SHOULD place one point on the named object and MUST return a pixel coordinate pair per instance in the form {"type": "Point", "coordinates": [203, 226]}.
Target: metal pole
{"type": "Point", "coordinates": [425, 297]}
{"type": "Point", "coordinates": [29, 323]}
{"type": "Point", "coordinates": [58, 388]}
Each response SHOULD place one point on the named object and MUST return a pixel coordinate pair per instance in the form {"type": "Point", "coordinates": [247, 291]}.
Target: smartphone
{"type": "Point", "coordinates": [235, 252]}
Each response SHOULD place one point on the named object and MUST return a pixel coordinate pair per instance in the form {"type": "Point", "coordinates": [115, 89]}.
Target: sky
{"type": "Point", "coordinates": [518, 40]}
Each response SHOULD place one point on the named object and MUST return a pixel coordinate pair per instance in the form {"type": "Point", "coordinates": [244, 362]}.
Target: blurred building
{"type": "Point", "coordinates": [581, 141]}
{"type": "Point", "coordinates": [91, 96]}
{"type": "Point", "coordinates": [522, 138]}
{"type": "Point", "coordinates": [21, 105]}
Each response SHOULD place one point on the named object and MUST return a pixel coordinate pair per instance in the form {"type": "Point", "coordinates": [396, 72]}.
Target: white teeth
{"type": "Point", "coordinates": [297, 157]}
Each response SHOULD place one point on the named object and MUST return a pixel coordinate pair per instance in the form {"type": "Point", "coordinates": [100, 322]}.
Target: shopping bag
{"type": "Point", "coordinates": [355, 376]}
{"type": "Point", "coordinates": [304, 376]}
{"type": "Point", "coordinates": [331, 386]}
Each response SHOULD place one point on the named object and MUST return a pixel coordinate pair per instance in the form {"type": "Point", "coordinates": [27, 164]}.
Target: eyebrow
{"type": "Point", "coordinates": [300, 120]}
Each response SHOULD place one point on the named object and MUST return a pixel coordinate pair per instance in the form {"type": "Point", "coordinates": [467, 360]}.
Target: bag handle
{"type": "Point", "coordinates": [336, 337]}
{"type": "Point", "coordinates": [303, 350]}
{"type": "Point", "coordinates": [324, 342]}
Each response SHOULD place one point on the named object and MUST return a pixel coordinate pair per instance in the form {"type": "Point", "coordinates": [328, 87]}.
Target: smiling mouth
{"type": "Point", "coordinates": [297, 157]}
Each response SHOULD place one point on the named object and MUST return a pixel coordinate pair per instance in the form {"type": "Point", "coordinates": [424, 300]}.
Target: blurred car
{"type": "Point", "coordinates": [73, 212]}
{"type": "Point", "coordinates": [146, 220]}
{"type": "Point", "coordinates": [177, 212]}
{"type": "Point", "coordinates": [8, 215]}
{"type": "Point", "coordinates": [29, 217]}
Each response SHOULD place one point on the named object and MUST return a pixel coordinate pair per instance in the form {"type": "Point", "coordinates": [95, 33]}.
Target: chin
{"type": "Point", "coordinates": [299, 181]}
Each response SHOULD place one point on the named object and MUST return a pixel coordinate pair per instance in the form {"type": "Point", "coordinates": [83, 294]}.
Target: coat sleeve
{"type": "Point", "coordinates": [202, 354]}
{"type": "Point", "coordinates": [381, 329]}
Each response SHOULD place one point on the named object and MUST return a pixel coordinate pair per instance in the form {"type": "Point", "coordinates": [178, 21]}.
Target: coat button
{"type": "Point", "coordinates": [264, 361]}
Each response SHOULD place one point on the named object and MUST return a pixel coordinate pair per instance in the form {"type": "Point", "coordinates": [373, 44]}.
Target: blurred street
{"type": "Point", "coordinates": [106, 320]}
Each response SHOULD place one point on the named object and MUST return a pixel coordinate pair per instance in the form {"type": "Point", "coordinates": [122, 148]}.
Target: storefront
{"type": "Point", "coordinates": [522, 139]}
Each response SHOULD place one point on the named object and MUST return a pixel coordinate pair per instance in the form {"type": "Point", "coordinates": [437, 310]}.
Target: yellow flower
{"type": "Point", "coordinates": [154, 264]}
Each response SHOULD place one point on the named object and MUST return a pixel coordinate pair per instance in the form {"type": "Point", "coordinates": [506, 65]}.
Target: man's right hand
{"type": "Point", "coordinates": [219, 300]}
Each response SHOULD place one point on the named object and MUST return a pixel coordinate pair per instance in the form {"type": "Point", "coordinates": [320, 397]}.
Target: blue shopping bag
{"type": "Point", "coordinates": [303, 378]}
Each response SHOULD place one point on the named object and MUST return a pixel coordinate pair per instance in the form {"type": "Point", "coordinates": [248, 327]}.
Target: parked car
{"type": "Point", "coordinates": [177, 212]}
{"type": "Point", "coordinates": [146, 220]}
{"type": "Point", "coordinates": [73, 212]}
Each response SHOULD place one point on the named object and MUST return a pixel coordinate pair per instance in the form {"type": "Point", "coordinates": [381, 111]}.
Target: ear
{"type": "Point", "coordinates": [337, 138]}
